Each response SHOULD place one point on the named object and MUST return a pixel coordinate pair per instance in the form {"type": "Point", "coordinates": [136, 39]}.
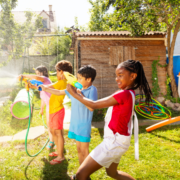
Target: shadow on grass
{"type": "Point", "coordinates": [58, 171]}
{"type": "Point", "coordinates": [51, 172]}
{"type": "Point", "coordinates": [25, 171]}
{"type": "Point", "coordinates": [163, 129]}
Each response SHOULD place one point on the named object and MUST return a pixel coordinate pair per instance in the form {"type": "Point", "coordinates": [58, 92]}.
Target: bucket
{"type": "Point", "coordinates": [20, 106]}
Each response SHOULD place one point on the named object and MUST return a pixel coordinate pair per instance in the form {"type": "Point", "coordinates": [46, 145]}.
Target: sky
{"type": "Point", "coordinates": [66, 10]}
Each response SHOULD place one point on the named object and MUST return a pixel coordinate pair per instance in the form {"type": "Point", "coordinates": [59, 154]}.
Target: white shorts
{"type": "Point", "coordinates": [111, 150]}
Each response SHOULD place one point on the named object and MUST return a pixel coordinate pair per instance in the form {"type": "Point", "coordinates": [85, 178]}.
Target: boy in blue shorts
{"type": "Point", "coordinates": [81, 116]}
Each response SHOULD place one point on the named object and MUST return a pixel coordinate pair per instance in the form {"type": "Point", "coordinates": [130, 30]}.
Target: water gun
{"type": "Point", "coordinates": [36, 83]}
{"type": "Point", "coordinates": [72, 80]}
{"type": "Point", "coordinates": [28, 82]}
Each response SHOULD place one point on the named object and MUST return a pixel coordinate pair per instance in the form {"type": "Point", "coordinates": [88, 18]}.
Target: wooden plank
{"type": "Point", "coordinates": [156, 51]}
{"type": "Point", "coordinates": [151, 58]}
{"type": "Point", "coordinates": [119, 54]}
{"type": "Point", "coordinates": [145, 54]}
{"type": "Point", "coordinates": [101, 48]}
{"type": "Point", "coordinates": [151, 48]}
{"type": "Point", "coordinates": [133, 56]}
{"type": "Point", "coordinates": [111, 56]}
{"type": "Point", "coordinates": [121, 43]}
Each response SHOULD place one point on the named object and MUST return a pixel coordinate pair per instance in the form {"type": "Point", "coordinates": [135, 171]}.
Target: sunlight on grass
{"type": "Point", "coordinates": [159, 157]}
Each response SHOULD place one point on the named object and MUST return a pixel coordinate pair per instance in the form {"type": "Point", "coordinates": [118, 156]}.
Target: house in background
{"type": "Point", "coordinates": [105, 50]}
{"type": "Point", "coordinates": [48, 19]}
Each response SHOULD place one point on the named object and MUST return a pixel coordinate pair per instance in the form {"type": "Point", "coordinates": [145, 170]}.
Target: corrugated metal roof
{"type": "Point", "coordinates": [114, 33]}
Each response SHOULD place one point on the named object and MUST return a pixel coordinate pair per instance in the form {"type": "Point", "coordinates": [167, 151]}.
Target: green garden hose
{"type": "Point", "coordinates": [28, 131]}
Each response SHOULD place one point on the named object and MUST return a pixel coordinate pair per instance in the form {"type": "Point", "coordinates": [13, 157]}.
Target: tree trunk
{"type": "Point", "coordinates": [170, 65]}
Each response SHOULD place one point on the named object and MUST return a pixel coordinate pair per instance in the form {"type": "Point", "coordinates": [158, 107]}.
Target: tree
{"type": "Point", "coordinates": [141, 16]}
{"type": "Point", "coordinates": [100, 20]}
{"type": "Point", "coordinates": [14, 35]}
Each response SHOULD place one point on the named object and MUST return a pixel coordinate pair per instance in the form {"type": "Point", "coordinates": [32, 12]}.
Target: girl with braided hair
{"type": "Point", "coordinates": [118, 121]}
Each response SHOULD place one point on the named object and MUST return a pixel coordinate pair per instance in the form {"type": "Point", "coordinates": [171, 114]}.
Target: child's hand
{"type": "Point", "coordinates": [20, 77]}
{"type": "Point", "coordinates": [71, 89]}
{"type": "Point", "coordinates": [79, 92]}
{"type": "Point", "coordinates": [43, 87]}
{"type": "Point", "coordinates": [41, 112]}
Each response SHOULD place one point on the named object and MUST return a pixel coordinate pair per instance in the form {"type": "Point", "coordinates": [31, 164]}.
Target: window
{"type": "Point", "coordinates": [44, 22]}
{"type": "Point", "coordinates": [119, 54]}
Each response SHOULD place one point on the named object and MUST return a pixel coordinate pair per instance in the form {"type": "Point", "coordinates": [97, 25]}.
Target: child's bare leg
{"type": "Point", "coordinates": [83, 150]}
{"type": "Point", "coordinates": [88, 167]}
{"type": "Point", "coordinates": [59, 141]}
{"type": "Point", "coordinates": [114, 173]}
{"type": "Point", "coordinates": [49, 132]}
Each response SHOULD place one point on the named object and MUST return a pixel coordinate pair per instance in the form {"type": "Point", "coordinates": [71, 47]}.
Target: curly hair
{"type": "Point", "coordinates": [64, 65]}
{"type": "Point", "coordinates": [43, 70]}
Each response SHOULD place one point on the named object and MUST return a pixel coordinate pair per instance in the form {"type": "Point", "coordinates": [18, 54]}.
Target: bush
{"type": "Point", "coordinates": [99, 115]}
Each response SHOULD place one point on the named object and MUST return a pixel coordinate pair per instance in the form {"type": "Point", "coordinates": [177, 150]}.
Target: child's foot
{"type": "Point", "coordinates": [50, 145]}
{"type": "Point", "coordinates": [53, 154]}
{"type": "Point", "coordinates": [73, 177]}
{"type": "Point", "coordinates": [56, 161]}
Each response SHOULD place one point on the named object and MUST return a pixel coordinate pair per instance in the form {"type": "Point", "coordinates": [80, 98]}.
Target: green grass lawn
{"type": "Point", "coordinates": [159, 158]}
{"type": "Point", "coordinates": [159, 152]}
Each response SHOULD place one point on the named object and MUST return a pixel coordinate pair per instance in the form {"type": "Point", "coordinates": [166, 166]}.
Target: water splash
{"type": "Point", "coordinates": [6, 74]}
{"type": "Point", "coordinates": [7, 78]}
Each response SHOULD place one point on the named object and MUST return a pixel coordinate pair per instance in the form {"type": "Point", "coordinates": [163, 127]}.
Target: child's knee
{"type": "Point", "coordinates": [58, 133]}
{"type": "Point", "coordinates": [52, 131]}
{"type": "Point", "coordinates": [80, 175]}
{"type": "Point", "coordinates": [83, 151]}
{"type": "Point", "coordinates": [111, 174]}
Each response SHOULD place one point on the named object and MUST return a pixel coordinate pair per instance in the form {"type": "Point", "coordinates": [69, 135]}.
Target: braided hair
{"type": "Point", "coordinates": [140, 81]}
{"type": "Point", "coordinates": [43, 70]}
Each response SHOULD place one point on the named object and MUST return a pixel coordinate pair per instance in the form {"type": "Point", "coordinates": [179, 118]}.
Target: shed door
{"type": "Point", "coordinates": [119, 54]}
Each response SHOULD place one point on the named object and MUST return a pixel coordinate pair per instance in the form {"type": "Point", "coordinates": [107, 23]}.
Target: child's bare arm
{"type": "Point", "coordinates": [52, 91]}
{"type": "Point", "coordinates": [102, 103]}
{"type": "Point", "coordinates": [31, 76]}
{"type": "Point", "coordinates": [79, 92]}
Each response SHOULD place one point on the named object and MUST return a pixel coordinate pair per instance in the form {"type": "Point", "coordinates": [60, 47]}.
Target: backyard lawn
{"type": "Point", "coordinates": [159, 158]}
{"type": "Point", "coordinates": [159, 152]}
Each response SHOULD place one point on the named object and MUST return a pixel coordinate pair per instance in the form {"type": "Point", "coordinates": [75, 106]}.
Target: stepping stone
{"type": "Point", "coordinates": [34, 132]}
{"type": "Point", "coordinates": [6, 138]}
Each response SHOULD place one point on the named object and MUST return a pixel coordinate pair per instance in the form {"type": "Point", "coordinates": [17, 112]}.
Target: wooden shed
{"type": "Point", "coordinates": [105, 50]}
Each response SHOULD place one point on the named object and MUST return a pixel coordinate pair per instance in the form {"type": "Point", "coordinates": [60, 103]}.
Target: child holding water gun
{"type": "Point", "coordinates": [81, 116]}
{"type": "Point", "coordinates": [57, 112]}
{"type": "Point", "coordinates": [118, 121]}
{"type": "Point", "coordinates": [43, 76]}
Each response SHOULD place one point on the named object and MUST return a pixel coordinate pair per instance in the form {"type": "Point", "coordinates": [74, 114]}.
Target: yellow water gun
{"type": "Point", "coordinates": [21, 78]}
{"type": "Point", "coordinates": [72, 80]}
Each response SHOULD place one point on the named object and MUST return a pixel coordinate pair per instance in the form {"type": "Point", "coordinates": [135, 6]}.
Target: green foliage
{"type": "Point", "coordinates": [81, 28]}
{"type": "Point", "coordinates": [155, 86]}
{"type": "Point", "coordinates": [101, 21]}
{"type": "Point", "coordinates": [14, 35]}
{"type": "Point", "coordinates": [99, 114]}
{"type": "Point", "coordinates": [169, 92]}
